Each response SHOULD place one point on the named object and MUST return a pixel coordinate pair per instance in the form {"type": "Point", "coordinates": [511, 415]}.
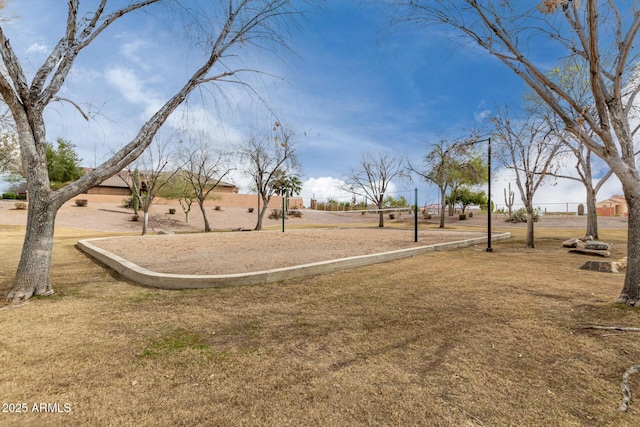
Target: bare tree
{"type": "Point", "coordinates": [204, 168]}
{"type": "Point", "coordinates": [232, 28]}
{"type": "Point", "coordinates": [265, 159]}
{"type": "Point", "coordinates": [372, 176]}
{"type": "Point", "coordinates": [582, 156]}
{"type": "Point", "coordinates": [156, 172]}
{"type": "Point", "coordinates": [506, 30]}
{"type": "Point", "coordinates": [527, 147]}
{"type": "Point", "coordinates": [574, 79]}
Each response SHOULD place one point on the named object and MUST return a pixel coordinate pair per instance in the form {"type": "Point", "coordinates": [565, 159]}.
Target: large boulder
{"type": "Point", "coordinates": [606, 266]}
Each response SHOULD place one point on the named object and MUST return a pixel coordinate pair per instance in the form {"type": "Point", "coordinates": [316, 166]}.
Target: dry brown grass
{"type": "Point", "coordinates": [450, 338]}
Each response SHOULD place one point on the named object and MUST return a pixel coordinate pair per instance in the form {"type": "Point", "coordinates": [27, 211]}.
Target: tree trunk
{"type": "Point", "coordinates": [380, 215]}
{"type": "Point", "coordinates": [261, 212]}
{"type": "Point", "coordinates": [530, 243]}
{"type": "Point", "coordinates": [207, 227]}
{"type": "Point", "coordinates": [32, 275]}
{"type": "Point", "coordinates": [592, 215]}
{"type": "Point", "coordinates": [145, 222]}
{"type": "Point", "coordinates": [631, 291]}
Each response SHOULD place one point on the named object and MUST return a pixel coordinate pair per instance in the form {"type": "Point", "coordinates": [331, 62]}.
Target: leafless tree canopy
{"type": "Point", "coordinates": [203, 167]}
{"type": "Point", "coordinates": [372, 176]}
{"type": "Point", "coordinates": [264, 158]}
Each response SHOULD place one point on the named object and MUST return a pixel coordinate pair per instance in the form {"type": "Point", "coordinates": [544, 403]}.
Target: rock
{"type": "Point", "coordinates": [165, 232]}
{"type": "Point", "coordinates": [587, 238]}
{"type": "Point", "coordinates": [598, 246]}
{"type": "Point", "coordinates": [590, 252]}
{"type": "Point", "coordinates": [622, 263]}
{"type": "Point", "coordinates": [571, 243]}
{"type": "Point", "coordinates": [602, 266]}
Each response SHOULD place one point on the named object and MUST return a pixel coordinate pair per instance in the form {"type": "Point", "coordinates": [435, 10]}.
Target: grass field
{"type": "Point", "coordinates": [459, 338]}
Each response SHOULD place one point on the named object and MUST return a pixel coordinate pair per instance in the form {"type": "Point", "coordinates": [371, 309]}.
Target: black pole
{"type": "Point", "coordinates": [415, 216]}
{"type": "Point", "coordinates": [489, 248]}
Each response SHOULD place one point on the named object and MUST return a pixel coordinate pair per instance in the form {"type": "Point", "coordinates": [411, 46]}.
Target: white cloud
{"type": "Point", "coordinates": [37, 48]}
{"type": "Point", "coordinates": [482, 115]}
{"type": "Point", "coordinates": [323, 188]}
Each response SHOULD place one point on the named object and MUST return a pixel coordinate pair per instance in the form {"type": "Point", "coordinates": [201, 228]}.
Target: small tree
{"type": "Point", "coordinates": [372, 176]}
{"type": "Point", "coordinates": [203, 168]}
{"type": "Point", "coordinates": [179, 188]}
{"type": "Point", "coordinates": [63, 163]}
{"type": "Point", "coordinates": [155, 175]}
{"type": "Point", "coordinates": [265, 159]}
{"type": "Point", "coordinates": [466, 197]}
{"type": "Point", "coordinates": [448, 166]}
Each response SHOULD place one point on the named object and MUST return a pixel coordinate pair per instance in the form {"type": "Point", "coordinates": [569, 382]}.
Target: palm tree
{"type": "Point", "coordinates": [286, 185]}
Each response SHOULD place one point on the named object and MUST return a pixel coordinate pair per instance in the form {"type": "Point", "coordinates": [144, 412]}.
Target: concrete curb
{"type": "Point", "coordinates": [154, 279]}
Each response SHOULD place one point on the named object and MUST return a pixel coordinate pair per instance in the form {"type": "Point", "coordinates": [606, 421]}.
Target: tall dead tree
{"type": "Point", "coordinates": [575, 29]}
{"type": "Point", "coordinates": [203, 168]}
{"type": "Point", "coordinates": [372, 176]}
{"type": "Point", "coordinates": [233, 28]}
{"type": "Point", "coordinates": [527, 147]}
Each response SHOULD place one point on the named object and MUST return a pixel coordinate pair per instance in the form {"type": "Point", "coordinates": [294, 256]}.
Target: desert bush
{"type": "Point", "coordinates": [217, 208]}
{"type": "Point", "coordinates": [521, 216]}
{"type": "Point", "coordinates": [81, 202]}
{"type": "Point", "coordinates": [295, 213]}
{"type": "Point", "coordinates": [250, 210]}
{"type": "Point", "coordinates": [21, 206]}
{"type": "Point", "coordinates": [172, 211]}
{"type": "Point", "coordinates": [275, 214]}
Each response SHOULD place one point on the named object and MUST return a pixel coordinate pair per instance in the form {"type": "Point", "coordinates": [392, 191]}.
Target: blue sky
{"type": "Point", "coordinates": [352, 86]}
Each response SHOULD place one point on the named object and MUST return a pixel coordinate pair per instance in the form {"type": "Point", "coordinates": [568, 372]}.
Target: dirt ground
{"type": "Point", "coordinates": [335, 235]}
{"type": "Point", "coordinates": [227, 253]}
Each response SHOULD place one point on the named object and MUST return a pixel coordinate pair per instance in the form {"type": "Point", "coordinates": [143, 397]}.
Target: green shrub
{"type": "Point", "coordinates": [11, 196]}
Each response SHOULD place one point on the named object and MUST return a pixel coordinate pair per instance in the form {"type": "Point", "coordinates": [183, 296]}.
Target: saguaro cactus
{"type": "Point", "coordinates": [509, 200]}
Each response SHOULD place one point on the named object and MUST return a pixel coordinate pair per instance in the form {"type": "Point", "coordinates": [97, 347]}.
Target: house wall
{"type": "Point", "coordinates": [112, 191]}
{"type": "Point", "coordinates": [609, 208]}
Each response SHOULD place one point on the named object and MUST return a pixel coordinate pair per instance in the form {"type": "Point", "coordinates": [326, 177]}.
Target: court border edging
{"type": "Point", "coordinates": [153, 279]}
